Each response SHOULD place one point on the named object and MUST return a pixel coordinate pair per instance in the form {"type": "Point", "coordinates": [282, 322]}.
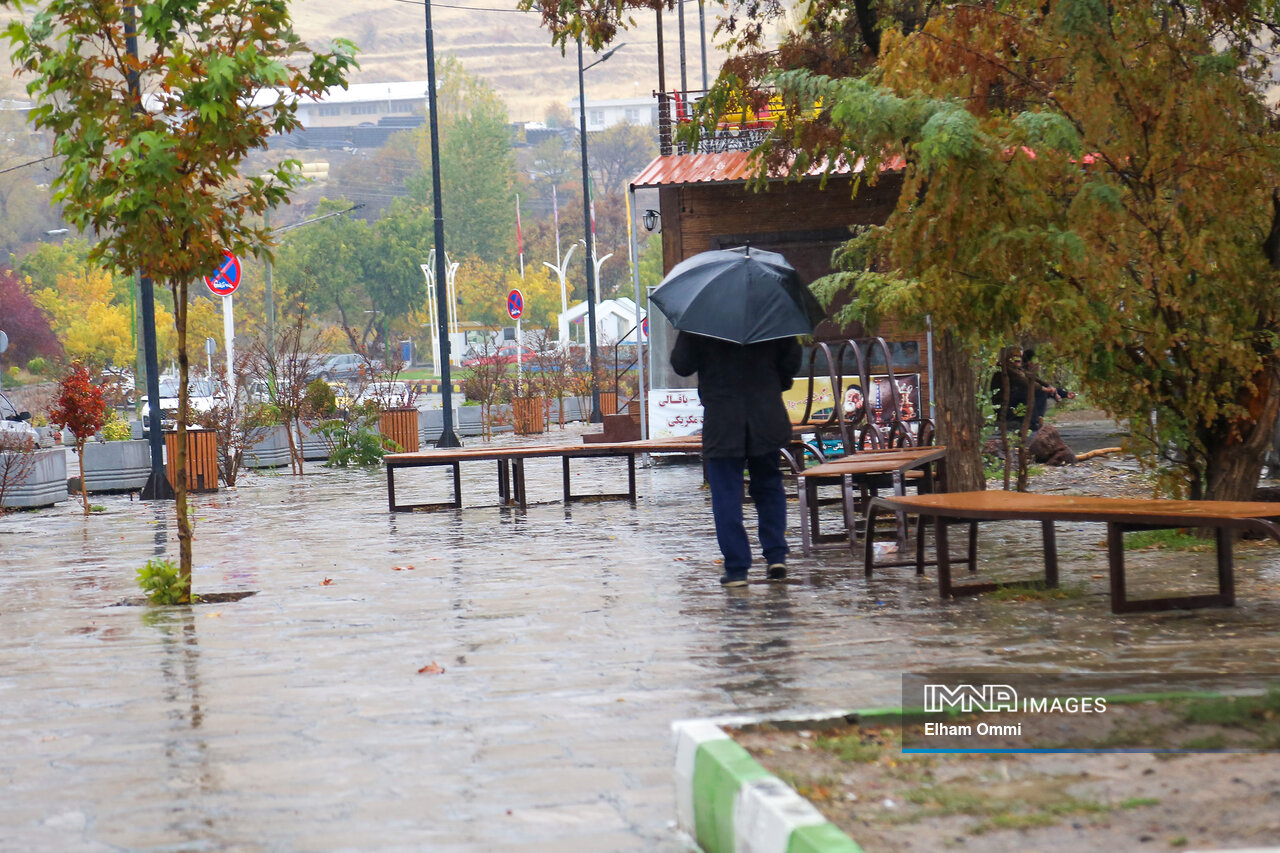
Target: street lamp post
{"type": "Point", "coordinates": [447, 436]}
{"type": "Point", "coordinates": [561, 267]}
{"type": "Point", "coordinates": [589, 255]}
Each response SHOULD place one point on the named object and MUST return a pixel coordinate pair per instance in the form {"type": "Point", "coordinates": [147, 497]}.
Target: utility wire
{"type": "Point", "coordinates": [25, 165]}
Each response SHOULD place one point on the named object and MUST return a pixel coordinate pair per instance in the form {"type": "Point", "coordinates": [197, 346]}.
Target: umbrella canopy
{"type": "Point", "coordinates": [741, 295]}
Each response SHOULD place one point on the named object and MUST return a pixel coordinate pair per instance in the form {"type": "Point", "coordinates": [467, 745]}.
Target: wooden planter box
{"type": "Point", "coordinates": [401, 426]}
{"type": "Point", "coordinates": [269, 451]}
{"type": "Point", "coordinates": [528, 415]}
{"type": "Point", "coordinates": [202, 460]}
{"type": "Point", "coordinates": [608, 402]}
{"type": "Point", "coordinates": [115, 466]}
{"type": "Point", "coordinates": [45, 485]}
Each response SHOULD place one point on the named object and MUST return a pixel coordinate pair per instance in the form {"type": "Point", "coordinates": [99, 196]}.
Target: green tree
{"type": "Point", "coordinates": [353, 273]}
{"type": "Point", "coordinates": [1062, 190]}
{"type": "Point", "coordinates": [477, 169]}
{"type": "Point", "coordinates": [151, 141]}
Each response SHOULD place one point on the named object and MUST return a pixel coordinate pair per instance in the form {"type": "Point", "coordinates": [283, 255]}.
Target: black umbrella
{"type": "Point", "coordinates": [742, 295]}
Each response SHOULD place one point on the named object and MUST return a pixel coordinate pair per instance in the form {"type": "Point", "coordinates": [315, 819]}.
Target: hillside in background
{"type": "Point", "coordinates": [505, 47]}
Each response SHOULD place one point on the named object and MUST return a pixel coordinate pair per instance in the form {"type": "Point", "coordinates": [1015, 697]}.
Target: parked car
{"type": "Point", "coordinates": [15, 427]}
{"type": "Point", "coordinates": [388, 394]}
{"type": "Point", "coordinates": [201, 396]}
{"type": "Point", "coordinates": [347, 365]}
{"type": "Point", "coordinates": [508, 354]}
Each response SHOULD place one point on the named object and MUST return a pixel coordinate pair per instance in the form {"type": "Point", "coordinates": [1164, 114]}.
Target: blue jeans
{"type": "Point", "coordinates": [724, 476]}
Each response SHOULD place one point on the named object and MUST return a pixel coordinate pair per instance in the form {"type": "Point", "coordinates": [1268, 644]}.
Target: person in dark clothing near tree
{"type": "Point", "coordinates": [1022, 370]}
{"type": "Point", "coordinates": [745, 424]}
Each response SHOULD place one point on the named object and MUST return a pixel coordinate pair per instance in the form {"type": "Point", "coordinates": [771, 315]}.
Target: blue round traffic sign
{"type": "Point", "coordinates": [226, 278]}
{"type": "Point", "coordinates": [644, 327]}
{"type": "Point", "coordinates": [515, 304]}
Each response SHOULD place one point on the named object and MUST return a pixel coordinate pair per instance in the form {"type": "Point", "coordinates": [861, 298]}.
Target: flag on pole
{"type": "Point", "coordinates": [519, 237]}
{"type": "Point", "coordinates": [591, 188]}
{"type": "Point", "coordinates": [555, 213]}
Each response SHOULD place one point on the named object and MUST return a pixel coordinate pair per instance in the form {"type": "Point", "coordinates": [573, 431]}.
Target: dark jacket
{"type": "Point", "coordinates": [741, 390]}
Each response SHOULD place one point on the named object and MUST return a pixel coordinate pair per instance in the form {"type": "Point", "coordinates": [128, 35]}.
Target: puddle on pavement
{"type": "Point", "coordinates": [569, 636]}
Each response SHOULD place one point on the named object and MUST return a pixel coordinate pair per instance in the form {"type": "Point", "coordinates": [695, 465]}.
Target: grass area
{"type": "Point", "coordinates": [1165, 540]}
{"type": "Point", "coordinates": [1037, 591]}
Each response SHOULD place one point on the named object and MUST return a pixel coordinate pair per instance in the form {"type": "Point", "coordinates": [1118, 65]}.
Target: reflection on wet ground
{"type": "Point", "coordinates": [569, 638]}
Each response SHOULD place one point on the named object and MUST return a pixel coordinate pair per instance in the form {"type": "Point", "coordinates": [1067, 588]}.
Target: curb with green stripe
{"type": "Point", "coordinates": [728, 803]}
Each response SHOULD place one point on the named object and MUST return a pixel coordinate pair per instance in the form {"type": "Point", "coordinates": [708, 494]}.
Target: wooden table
{"type": "Point", "coordinates": [1119, 514]}
{"type": "Point", "coordinates": [510, 462]}
{"type": "Point", "coordinates": [859, 472]}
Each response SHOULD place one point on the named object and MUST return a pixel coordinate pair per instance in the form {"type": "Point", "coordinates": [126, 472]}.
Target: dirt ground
{"type": "Point", "coordinates": [890, 801]}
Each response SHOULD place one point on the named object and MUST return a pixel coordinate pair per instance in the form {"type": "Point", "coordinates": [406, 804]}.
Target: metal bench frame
{"type": "Point", "coordinates": [1119, 514]}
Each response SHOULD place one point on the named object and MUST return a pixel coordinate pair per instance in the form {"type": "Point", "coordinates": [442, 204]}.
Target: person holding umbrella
{"type": "Point", "coordinates": [739, 313]}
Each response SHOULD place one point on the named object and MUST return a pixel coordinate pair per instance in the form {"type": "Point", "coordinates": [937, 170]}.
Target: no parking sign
{"type": "Point", "coordinates": [226, 278]}
{"type": "Point", "coordinates": [515, 304]}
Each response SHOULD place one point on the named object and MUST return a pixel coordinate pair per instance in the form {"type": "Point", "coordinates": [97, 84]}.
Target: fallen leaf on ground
{"type": "Point", "coordinates": [326, 582]}
{"type": "Point", "coordinates": [431, 669]}
{"type": "Point", "coordinates": [402, 568]}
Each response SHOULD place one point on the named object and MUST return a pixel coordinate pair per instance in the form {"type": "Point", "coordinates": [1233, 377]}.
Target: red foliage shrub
{"type": "Point", "coordinates": [79, 406]}
{"type": "Point", "coordinates": [29, 332]}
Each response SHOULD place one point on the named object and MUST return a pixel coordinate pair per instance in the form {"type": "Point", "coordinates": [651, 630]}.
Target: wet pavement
{"type": "Point", "coordinates": [569, 639]}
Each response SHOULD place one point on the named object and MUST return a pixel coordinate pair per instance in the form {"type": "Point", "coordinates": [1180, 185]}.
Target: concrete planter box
{"type": "Point", "coordinates": [270, 451]}
{"type": "Point", "coordinates": [115, 466]}
{"type": "Point", "coordinates": [46, 485]}
{"type": "Point", "coordinates": [314, 446]}
{"type": "Point", "coordinates": [430, 425]}
{"type": "Point", "coordinates": [467, 420]}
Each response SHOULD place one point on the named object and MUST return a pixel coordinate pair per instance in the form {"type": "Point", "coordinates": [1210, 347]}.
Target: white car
{"type": "Point", "coordinates": [389, 395]}
{"type": "Point", "coordinates": [14, 426]}
{"type": "Point", "coordinates": [201, 396]}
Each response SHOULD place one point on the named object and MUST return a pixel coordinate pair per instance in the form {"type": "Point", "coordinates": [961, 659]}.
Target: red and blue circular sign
{"type": "Point", "coordinates": [644, 327]}
{"type": "Point", "coordinates": [515, 304]}
{"type": "Point", "coordinates": [226, 278]}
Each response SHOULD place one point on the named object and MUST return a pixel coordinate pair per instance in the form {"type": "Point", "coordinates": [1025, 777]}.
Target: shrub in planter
{"type": "Point", "coordinates": [80, 407]}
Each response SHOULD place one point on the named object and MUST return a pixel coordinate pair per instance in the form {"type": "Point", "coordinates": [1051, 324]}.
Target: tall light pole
{"type": "Point", "coordinates": [448, 438]}
{"type": "Point", "coordinates": [589, 255]}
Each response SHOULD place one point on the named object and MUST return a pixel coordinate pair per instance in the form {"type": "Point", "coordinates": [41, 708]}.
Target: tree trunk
{"type": "Point", "coordinates": [959, 421]}
{"type": "Point", "coordinates": [84, 490]}
{"type": "Point", "coordinates": [1234, 462]}
{"type": "Point", "coordinates": [179, 289]}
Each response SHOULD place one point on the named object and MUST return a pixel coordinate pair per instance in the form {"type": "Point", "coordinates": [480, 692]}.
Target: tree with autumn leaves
{"type": "Point", "coordinates": [80, 407]}
{"type": "Point", "coordinates": [153, 109]}
{"type": "Point", "coordinates": [1102, 176]}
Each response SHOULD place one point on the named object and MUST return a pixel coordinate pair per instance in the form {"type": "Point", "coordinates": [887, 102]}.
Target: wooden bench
{"type": "Point", "coordinates": [857, 476]}
{"type": "Point", "coordinates": [510, 462]}
{"type": "Point", "coordinates": [1119, 514]}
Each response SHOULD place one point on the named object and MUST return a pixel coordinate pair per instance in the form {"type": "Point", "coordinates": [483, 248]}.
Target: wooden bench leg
{"type": "Point", "coordinates": [504, 482]}
{"type": "Point", "coordinates": [1050, 554]}
{"type": "Point", "coordinates": [802, 496]}
{"type": "Point", "coordinates": [1120, 603]}
{"type": "Point", "coordinates": [522, 499]}
{"type": "Point", "coordinates": [457, 485]}
{"type": "Point", "coordinates": [631, 476]}
{"type": "Point", "coordinates": [942, 546]}
{"type": "Point", "coordinates": [1226, 567]}
{"type": "Point", "coordinates": [391, 488]}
